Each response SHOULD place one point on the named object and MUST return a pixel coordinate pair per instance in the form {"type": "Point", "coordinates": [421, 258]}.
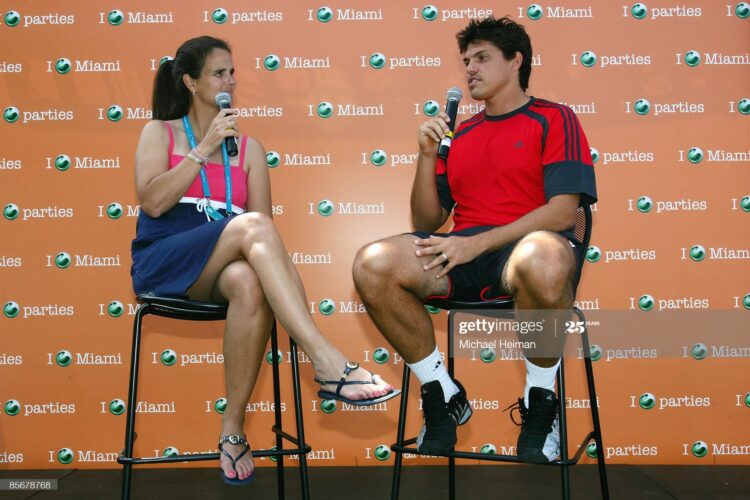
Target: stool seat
{"type": "Point", "coordinates": [484, 305]}
{"type": "Point", "coordinates": [189, 310]}
{"type": "Point", "coordinates": [171, 307]}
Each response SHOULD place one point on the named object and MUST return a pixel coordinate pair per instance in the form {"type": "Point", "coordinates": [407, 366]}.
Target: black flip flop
{"type": "Point", "coordinates": [235, 439]}
{"type": "Point", "coordinates": [350, 367]}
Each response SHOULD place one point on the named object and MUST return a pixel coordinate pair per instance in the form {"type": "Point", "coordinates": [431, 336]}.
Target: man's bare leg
{"type": "Point", "coordinates": [540, 274]}
{"type": "Point", "coordinates": [392, 282]}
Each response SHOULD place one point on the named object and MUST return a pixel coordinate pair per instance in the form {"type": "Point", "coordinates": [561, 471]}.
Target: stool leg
{"type": "Point", "coordinates": [564, 470]}
{"type": "Point", "coordinates": [451, 459]}
{"type": "Point", "coordinates": [451, 478]}
{"type": "Point", "coordinates": [277, 411]}
{"type": "Point", "coordinates": [132, 399]}
{"type": "Point", "coordinates": [594, 410]}
{"type": "Point", "coordinates": [400, 432]}
{"type": "Point", "coordinates": [300, 425]}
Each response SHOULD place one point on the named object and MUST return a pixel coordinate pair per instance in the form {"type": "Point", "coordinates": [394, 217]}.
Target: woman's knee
{"type": "Point", "coordinates": [238, 282]}
{"type": "Point", "coordinates": [253, 227]}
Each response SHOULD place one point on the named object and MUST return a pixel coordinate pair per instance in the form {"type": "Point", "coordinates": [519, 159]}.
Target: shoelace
{"type": "Point", "coordinates": [517, 406]}
{"type": "Point", "coordinates": [536, 420]}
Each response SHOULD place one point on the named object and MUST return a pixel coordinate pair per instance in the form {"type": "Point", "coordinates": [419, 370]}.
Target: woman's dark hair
{"type": "Point", "coordinates": [505, 34]}
{"type": "Point", "coordinates": [171, 98]}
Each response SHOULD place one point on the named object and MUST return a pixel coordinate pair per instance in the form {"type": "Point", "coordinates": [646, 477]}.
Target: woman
{"type": "Point", "coordinates": [189, 244]}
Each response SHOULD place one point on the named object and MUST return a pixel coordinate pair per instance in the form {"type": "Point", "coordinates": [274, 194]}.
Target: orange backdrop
{"type": "Point", "coordinates": [75, 83]}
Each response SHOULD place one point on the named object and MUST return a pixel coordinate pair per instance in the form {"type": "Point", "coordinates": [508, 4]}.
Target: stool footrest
{"type": "Point", "coordinates": [168, 460]}
{"type": "Point", "coordinates": [287, 436]}
{"type": "Point", "coordinates": [468, 455]}
{"type": "Point", "coordinates": [196, 457]}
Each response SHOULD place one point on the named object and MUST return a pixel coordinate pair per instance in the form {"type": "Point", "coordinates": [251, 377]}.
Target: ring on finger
{"type": "Point", "coordinates": [445, 257]}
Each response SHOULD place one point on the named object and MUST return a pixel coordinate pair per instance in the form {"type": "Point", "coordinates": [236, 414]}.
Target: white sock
{"type": "Point", "coordinates": [432, 368]}
{"type": "Point", "coordinates": [536, 376]}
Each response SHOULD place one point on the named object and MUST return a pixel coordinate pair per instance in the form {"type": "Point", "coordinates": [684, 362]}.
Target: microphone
{"type": "Point", "coordinates": [451, 109]}
{"type": "Point", "coordinates": [224, 101]}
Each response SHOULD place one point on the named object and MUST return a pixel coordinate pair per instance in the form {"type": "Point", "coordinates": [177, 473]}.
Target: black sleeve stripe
{"type": "Point", "coordinates": [570, 133]}
{"type": "Point", "coordinates": [466, 129]}
{"type": "Point", "coordinates": [566, 123]}
{"type": "Point", "coordinates": [474, 118]}
{"type": "Point", "coordinates": [469, 124]}
{"type": "Point", "coordinates": [444, 192]}
{"type": "Point", "coordinates": [577, 125]}
{"type": "Point", "coordinates": [542, 121]}
{"type": "Point", "coordinates": [543, 103]}
{"type": "Point", "coordinates": [576, 139]}
{"type": "Point", "coordinates": [568, 127]}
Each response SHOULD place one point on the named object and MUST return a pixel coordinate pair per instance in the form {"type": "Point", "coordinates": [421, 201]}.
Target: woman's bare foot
{"type": "Point", "coordinates": [245, 466]}
{"type": "Point", "coordinates": [355, 392]}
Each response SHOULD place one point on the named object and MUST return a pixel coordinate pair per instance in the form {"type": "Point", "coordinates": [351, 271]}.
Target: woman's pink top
{"type": "Point", "coordinates": [215, 175]}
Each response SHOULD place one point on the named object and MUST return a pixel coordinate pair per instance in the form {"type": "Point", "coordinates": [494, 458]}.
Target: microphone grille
{"type": "Point", "coordinates": [455, 93]}
{"type": "Point", "coordinates": [223, 98]}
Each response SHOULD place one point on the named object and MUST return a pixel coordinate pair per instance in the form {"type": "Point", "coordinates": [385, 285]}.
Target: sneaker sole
{"type": "Point", "coordinates": [420, 436]}
{"type": "Point", "coordinates": [466, 415]}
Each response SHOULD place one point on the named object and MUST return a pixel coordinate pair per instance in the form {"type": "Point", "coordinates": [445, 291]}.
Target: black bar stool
{"type": "Point", "coordinates": [203, 311]}
{"type": "Point", "coordinates": [504, 308]}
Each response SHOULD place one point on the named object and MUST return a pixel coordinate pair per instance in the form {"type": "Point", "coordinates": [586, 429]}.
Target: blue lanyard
{"type": "Point", "coordinates": [204, 179]}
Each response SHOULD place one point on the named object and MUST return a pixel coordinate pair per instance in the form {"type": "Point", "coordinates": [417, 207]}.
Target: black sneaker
{"type": "Point", "coordinates": [539, 441]}
{"type": "Point", "coordinates": [438, 434]}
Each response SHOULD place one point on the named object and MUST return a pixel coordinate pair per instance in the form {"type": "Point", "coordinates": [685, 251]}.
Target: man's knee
{"type": "Point", "coordinates": [374, 262]}
{"type": "Point", "coordinates": [543, 261]}
{"type": "Point", "coordinates": [388, 262]}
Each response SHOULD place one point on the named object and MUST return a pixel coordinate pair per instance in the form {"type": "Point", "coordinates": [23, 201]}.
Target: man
{"type": "Point", "coordinates": [516, 174]}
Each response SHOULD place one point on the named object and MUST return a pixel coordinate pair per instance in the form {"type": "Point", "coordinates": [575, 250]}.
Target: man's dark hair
{"type": "Point", "coordinates": [505, 34]}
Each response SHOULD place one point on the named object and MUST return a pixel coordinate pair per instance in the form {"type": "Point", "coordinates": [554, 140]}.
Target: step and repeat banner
{"type": "Point", "coordinates": [335, 91]}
